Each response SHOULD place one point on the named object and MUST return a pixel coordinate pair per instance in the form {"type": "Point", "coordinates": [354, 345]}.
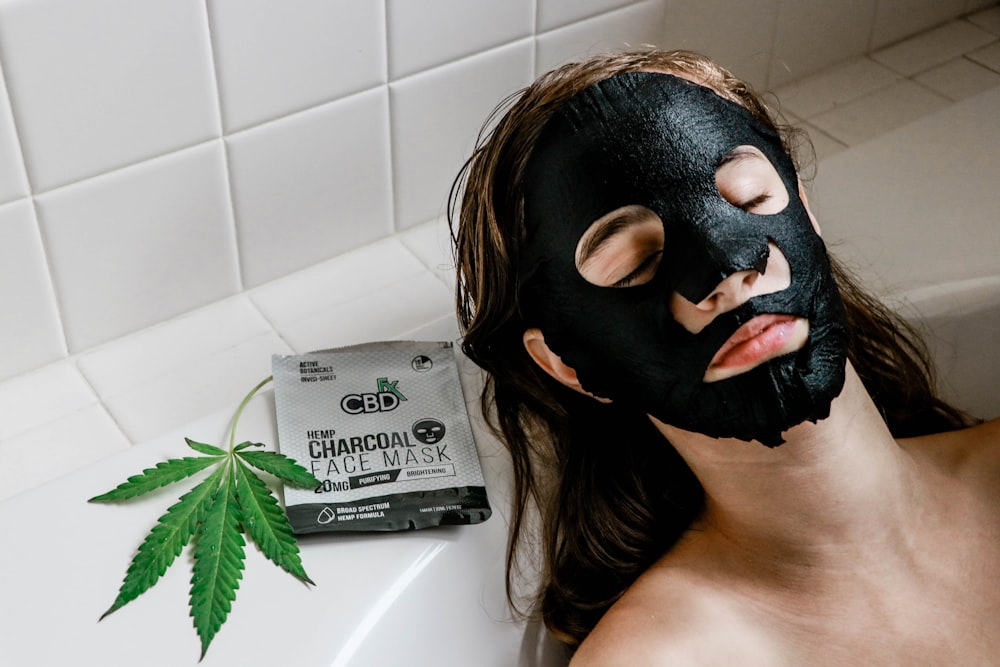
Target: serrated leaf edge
{"type": "Point", "coordinates": [267, 524]}
{"type": "Point", "coordinates": [283, 467]}
{"type": "Point", "coordinates": [162, 474]}
{"type": "Point", "coordinates": [158, 550]}
{"type": "Point", "coordinates": [218, 563]}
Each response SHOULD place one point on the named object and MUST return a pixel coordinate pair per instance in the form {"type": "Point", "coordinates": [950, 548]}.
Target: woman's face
{"type": "Point", "coordinates": [672, 264]}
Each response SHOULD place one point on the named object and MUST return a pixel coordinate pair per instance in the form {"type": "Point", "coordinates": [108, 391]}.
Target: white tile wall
{"type": "Point", "coordinates": [557, 13]}
{"type": "Point", "coordinates": [896, 19]}
{"type": "Point", "coordinates": [629, 27]}
{"type": "Point", "coordinates": [275, 58]}
{"type": "Point", "coordinates": [13, 182]}
{"type": "Point", "coordinates": [101, 84]}
{"type": "Point", "coordinates": [311, 182]}
{"type": "Point", "coordinates": [30, 335]}
{"type": "Point", "coordinates": [433, 32]}
{"type": "Point", "coordinates": [736, 33]}
{"type": "Point", "coordinates": [201, 182]}
{"type": "Point", "coordinates": [436, 116]}
{"type": "Point", "coordinates": [135, 246]}
{"type": "Point", "coordinates": [934, 47]}
{"type": "Point", "coordinates": [811, 34]}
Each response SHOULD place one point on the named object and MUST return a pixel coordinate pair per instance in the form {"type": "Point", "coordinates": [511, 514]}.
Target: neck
{"type": "Point", "coordinates": [834, 487]}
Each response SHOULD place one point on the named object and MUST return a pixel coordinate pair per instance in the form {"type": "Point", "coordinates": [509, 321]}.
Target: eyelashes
{"type": "Point", "coordinates": [751, 204]}
{"type": "Point", "coordinates": [645, 271]}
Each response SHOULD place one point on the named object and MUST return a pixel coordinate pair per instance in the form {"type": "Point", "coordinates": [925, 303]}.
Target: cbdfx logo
{"type": "Point", "coordinates": [387, 398]}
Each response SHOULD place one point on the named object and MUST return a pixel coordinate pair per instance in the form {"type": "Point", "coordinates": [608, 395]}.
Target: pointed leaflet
{"type": "Point", "coordinates": [266, 524]}
{"type": "Point", "coordinates": [211, 450]}
{"type": "Point", "coordinates": [218, 563]}
{"type": "Point", "coordinates": [243, 445]}
{"type": "Point", "coordinates": [165, 472]}
{"type": "Point", "coordinates": [165, 541]}
{"type": "Point", "coordinates": [281, 466]}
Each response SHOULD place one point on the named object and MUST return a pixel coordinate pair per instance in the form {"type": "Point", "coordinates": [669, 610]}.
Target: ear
{"type": "Point", "coordinates": [805, 202]}
{"type": "Point", "coordinates": [549, 361]}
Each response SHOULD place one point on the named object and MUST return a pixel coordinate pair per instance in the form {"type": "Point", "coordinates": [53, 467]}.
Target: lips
{"type": "Point", "coordinates": [761, 339]}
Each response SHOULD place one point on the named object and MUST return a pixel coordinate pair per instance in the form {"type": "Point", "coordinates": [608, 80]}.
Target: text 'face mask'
{"type": "Point", "coordinates": [655, 141]}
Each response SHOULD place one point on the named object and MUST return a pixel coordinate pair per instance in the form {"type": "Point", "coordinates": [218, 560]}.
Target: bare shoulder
{"type": "Point", "coordinates": [971, 454]}
{"type": "Point", "coordinates": [660, 622]}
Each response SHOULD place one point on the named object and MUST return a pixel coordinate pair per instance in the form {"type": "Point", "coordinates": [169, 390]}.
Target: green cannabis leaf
{"type": "Point", "coordinates": [230, 502]}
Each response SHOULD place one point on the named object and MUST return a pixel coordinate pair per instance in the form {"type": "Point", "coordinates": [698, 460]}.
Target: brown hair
{"type": "Point", "coordinates": [604, 519]}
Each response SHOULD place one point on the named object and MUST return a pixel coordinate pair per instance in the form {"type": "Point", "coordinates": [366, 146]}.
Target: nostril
{"type": "Point", "coordinates": [708, 303]}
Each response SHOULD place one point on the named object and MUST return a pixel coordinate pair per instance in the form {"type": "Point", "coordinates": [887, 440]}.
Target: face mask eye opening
{"type": "Point", "coordinates": [623, 248]}
{"type": "Point", "coordinates": [748, 180]}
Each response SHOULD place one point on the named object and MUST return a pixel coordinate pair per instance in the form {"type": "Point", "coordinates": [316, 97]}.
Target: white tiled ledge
{"type": "Point", "coordinates": [74, 412]}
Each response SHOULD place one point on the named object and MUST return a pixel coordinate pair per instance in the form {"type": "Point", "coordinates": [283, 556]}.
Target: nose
{"type": "Point", "coordinates": [732, 291]}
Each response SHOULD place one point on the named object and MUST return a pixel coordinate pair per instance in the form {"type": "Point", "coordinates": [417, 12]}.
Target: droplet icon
{"type": "Point", "coordinates": [326, 515]}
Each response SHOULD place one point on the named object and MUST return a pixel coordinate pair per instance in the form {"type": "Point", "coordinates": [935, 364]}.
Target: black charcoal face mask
{"type": "Point", "coordinates": [656, 140]}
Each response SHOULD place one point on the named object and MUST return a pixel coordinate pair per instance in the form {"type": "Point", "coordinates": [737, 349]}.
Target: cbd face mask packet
{"type": "Point", "coordinates": [384, 427]}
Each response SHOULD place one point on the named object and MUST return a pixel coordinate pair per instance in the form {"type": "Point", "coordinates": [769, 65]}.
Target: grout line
{"type": "Point", "coordinates": [227, 171]}
{"type": "Point", "coordinates": [57, 300]}
{"type": "Point", "coordinates": [274, 327]}
{"type": "Point", "coordinates": [392, 139]}
{"type": "Point", "coordinates": [386, 37]}
{"type": "Point", "coordinates": [870, 42]}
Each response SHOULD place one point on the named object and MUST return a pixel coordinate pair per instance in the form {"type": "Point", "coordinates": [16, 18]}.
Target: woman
{"type": "Point", "coordinates": [703, 408]}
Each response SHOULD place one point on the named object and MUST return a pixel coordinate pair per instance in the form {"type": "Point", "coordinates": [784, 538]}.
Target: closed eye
{"type": "Point", "coordinates": [622, 248]}
{"type": "Point", "coordinates": [747, 179]}
{"type": "Point", "coordinates": [642, 273]}
{"type": "Point", "coordinates": [755, 202]}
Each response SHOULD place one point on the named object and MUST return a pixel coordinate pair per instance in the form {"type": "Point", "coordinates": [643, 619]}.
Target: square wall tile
{"type": "Point", "coordinates": [181, 342]}
{"type": "Point", "coordinates": [976, 5]}
{"type": "Point", "coordinates": [41, 396]}
{"type": "Point", "coordinates": [835, 86]}
{"type": "Point", "coordinates": [987, 19]}
{"type": "Point", "coordinates": [867, 117]}
{"type": "Point", "coordinates": [633, 27]}
{"type": "Point", "coordinates": [814, 34]}
{"type": "Point", "coordinates": [386, 314]}
{"type": "Point", "coordinates": [32, 334]}
{"type": "Point", "coordinates": [433, 32]}
{"type": "Point", "coordinates": [988, 56]}
{"type": "Point", "coordinates": [337, 281]}
{"type": "Point", "coordinates": [436, 116]}
{"type": "Point", "coordinates": [163, 377]}
{"type": "Point", "coordinates": [934, 47]}
{"type": "Point", "coordinates": [312, 185]}
{"type": "Point", "coordinates": [824, 146]}
{"type": "Point", "coordinates": [275, 58]}
{"type": "Point", "coordinates": [140, 245]}
{"type": "Point", "coordinates": [13, 182]}
{"type": "Point", "coordinates": [431, 243]}
{"type": "Point", "coordinates": [557, 13]}
{"type": "Point", "coordinates": [378, 292]}
{"type": "Point", "coordinates": [101, 84]}
{"type": "Point", "coordinates": [58, 448]}
{"type": "Point", "coordinates": [898, 19]}
{"type": "Point", "coordinates": [736, 34]}
{"type": "Point", "coordinates": [190, 392]}
{"type": "Point", "coordinates": [959, 78]}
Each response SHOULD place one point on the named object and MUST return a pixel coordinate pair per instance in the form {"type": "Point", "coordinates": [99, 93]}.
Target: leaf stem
{"type": "Point", "coordinates": [239, 411]}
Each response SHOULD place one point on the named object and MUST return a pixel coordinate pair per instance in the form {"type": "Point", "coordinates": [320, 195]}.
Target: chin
{"type": "Point", "coordinates": [767, 400]}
